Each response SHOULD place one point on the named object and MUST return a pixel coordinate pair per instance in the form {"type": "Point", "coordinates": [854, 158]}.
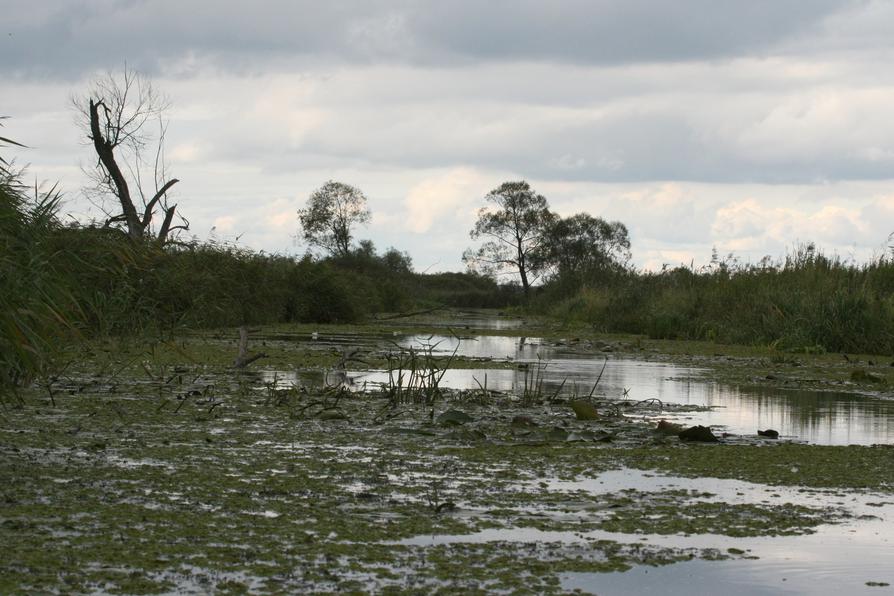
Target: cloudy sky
{"type": "Point", "coordinates": [745, 126]}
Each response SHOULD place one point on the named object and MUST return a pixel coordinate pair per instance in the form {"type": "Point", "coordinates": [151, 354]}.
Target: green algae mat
{"type": "Point", "coordinates": [143, 478]}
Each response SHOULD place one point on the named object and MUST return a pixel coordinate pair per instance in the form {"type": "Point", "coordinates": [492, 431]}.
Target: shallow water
{"type": "Point", "coordinates": [461, 320]}
{"type": "Point", "coordinates": [820, 417]}
{"type": "Point", "coordinates": [838, 558]}
{"type": "Point", "coordinates": [781, 570]}
{"type": "Point", "coordinates": [833, 561]}
{"type": "Point", "coordinates": [305, 504]}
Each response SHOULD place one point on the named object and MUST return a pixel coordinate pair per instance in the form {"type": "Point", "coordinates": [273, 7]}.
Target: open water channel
{"type": "Point", "coordinates": [856, 556]}
{"type": "Point", "coordinates": [817, 417]}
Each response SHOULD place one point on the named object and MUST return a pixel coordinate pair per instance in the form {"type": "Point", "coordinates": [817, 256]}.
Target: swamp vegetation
{"type": "Point", "coordinates": [136, 458]}
{"type": "Point", "coordinates": [143, 468]}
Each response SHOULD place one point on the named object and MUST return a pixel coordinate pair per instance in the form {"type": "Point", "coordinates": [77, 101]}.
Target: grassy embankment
{"type": "Point", "coordinates": [807, 303]}
{"type": "Point", "coordinates": [59, 283]}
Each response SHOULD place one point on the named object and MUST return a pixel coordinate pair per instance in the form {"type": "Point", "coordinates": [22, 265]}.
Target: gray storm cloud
{"type": "Point", "coordinates": [67, 37]}
{"type": "Point", "coordinates": [745, 125]}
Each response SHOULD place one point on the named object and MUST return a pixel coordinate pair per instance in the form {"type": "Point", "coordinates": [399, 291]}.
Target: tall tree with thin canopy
{"type": "Point", "coordinates": [514, 229]}
{"type": "Point", "coordinates": [332, 210]}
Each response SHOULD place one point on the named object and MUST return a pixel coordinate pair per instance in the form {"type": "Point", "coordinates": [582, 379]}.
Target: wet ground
{"type": "Point", "coordinates": [569, 368]}
{"type": "Point", "coordinates": [162, 469]}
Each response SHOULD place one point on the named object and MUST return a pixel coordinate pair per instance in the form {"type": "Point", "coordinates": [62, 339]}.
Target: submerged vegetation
{"type": "Point", "coordinates": [163, 468]}
{"type": "Point", "coordinates": [119, 390]}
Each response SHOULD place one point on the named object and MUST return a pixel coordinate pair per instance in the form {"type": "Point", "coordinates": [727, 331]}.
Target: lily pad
{"type": "Point", "coordinates": [523, 422]}
{"type": "Point", "coordinates": [467, 434]}
{"type": "Point", "coordinates": [584, 410]}
{"type": "Point", "coordinates": [557, 433]}
{"type": "Point", "coordinates": [332, 415]}
{"type": "Point", "coordinates": [453, 418]}
{"type": "Point", "coordinates": [668, 428]}
{"type": "Point", "coordinates": [861, 375]}
{"type": "Point", "coordinates": [698, 433]}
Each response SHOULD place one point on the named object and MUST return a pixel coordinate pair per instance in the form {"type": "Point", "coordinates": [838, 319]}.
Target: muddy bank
{"type": "Point", "coordinates": [160, 468]}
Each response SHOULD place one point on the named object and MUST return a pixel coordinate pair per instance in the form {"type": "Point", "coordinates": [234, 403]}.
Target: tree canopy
{"type": "Point", "coordinates": [332, 210]}
{"type": "Point", "coordinates": [514, 228]}
{"type": "Point", "coordinates": [584, 245]}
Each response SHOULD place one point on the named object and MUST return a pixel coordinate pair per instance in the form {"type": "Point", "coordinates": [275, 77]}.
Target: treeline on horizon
{"type": "Point", "coordinates": [63, 281]}
{"type": "Point", "coordinates": [59, 282]}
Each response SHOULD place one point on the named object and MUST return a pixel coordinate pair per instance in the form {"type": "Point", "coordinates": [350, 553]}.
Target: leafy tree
{"type": "Point", "coordinates": [582, 245]}
{"type": "Point", "coordinates": [123, 116]}
{"type": "Point", "coordinates": [398, 261]}
{"type": "Point", "coordinates": [515, 232]}
{"type": "Point", "coordinates": [331, 212]}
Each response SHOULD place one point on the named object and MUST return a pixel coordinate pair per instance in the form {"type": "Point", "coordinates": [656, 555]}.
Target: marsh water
{"type": "Point", "coordinates": [836, 559]}
{"type": "Point", "coordinates": [853, 557]}
{"type": "Point", "coordinates": [571, 369]}
{"type": "Point", "coordinates": [281, 496]}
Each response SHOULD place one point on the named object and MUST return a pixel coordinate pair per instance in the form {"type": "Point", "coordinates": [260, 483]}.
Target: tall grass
{"type": "Point", "coordinates": [805, 302]}
{"type": "Point", "coordinates": [36, 303]}
{"type": "Point", "coordinates": [125, 287]}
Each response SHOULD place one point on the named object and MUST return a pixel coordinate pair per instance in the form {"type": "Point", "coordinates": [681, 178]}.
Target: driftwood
{"type": "Point", "coordinates": [243, 359]}
{"type": "Point", "coordinates": [137, 226]}
{"type": "Point", "coordinates": [409, 314]}
{"type": "Point", "coordinates": [348, 356]}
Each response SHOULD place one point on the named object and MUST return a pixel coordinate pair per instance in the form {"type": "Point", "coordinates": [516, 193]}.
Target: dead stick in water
{"type": "Point", "coordinates": [243, 359]}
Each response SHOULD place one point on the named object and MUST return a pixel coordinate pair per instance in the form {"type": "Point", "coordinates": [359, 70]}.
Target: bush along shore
{"type": "Point", "coordinates": [807, 302]}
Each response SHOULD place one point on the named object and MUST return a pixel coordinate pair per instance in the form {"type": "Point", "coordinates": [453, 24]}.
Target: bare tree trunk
{"type": "Point", "coordinates": [166, 224]}
{"type": "Point", "coordinates": [106, 154]}
{"type": "Point", "coordinates": [136, 226]}
{"type": "Point", "coordinates": [523, 269]}
{"type": "Point", "coordinates": [243, 359]}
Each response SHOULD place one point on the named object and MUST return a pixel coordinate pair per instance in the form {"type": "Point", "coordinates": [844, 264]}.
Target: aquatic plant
{"type": "Point", "coordinates": [415, 373]}
{"type": "Point", "coordinates": [532, 392]}
{"type": "Point", "coordinates": [36, 304]}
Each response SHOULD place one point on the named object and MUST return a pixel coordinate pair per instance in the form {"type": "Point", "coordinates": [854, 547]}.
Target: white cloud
{"type": "Point", "coordinates": [225, 223]}
{"type": "Point", "coordinates": [185, 153]}
{"type": "Point", "coordinates": [747, 133]}
{"type": "Point", "coordinates": [281, 215]}
{"type": "Point", "coordinates": [835, 226]}
{"type": "Point", "coordinates": [750, 227]}
{"type": "Point", "coordinates": [445, 198]}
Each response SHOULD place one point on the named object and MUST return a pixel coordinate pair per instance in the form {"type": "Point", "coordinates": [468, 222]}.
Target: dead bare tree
{"type": "Point", "coordinates": [244, 358]}
{"type": "Point", "coordinates": [118, 114]}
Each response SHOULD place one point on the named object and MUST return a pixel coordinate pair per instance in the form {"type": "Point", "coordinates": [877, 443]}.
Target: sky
{"type": "Point", "coordinates": [745, 127]}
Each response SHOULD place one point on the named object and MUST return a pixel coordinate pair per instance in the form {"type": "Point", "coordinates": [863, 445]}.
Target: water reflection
{"type": "Point", "coordinates": [480, 346]}
{"type": "Point", "coordinates": [823, 417]}
{"type": "Point", "coordinates": [829, 418]}
{"type": "Point", "coordinates": [459, 320]}
{"type": "Point", "coordinates": [838, 558]}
